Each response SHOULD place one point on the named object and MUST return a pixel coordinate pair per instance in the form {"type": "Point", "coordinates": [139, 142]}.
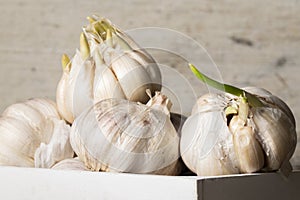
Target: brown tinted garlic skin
{"type": "Point", "coordinates": [32, 134]}
{"type": "Point", "coordinates": [109, 64]}
{"type": "Point", "coordinates": [122, 136]}
{"type": "Point", "coordinates": [225, 135]}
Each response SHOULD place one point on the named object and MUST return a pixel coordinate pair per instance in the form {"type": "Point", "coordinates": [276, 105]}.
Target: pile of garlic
{"type": "Point", "coordinates": [111, 116]}
{"type": "Point", "coordinates": [103, 88]}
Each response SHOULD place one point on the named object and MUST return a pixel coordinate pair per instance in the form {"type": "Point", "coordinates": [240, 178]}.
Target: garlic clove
{"type": "Point", "coordinates": [66, 87]}
{"type": "Point", "coordinates": [45, 106]}
{"type": "Point", "coordinates": [11, 157]}
{"type": "Point", "coordinates": [70, 164]}
{"type": "Point", "coordinates": [133, 78]}
{"type": "Point", "coordinates": [25, 112]}
{"type": "Point", "coordinates": [145, 60]}
{"type": "Point", "coordinates": [64, 98]}
{"type": "Point", "coordinates": [106, 84]}
{"type": "Point", "coordinates": [276, 128]}
{"type": "Point", "coordinates": [18, 140]}
{"type": "Point", "coordinates": [83, 94]}
{"type": "Point", "coordinates": [276, 134]}
{"type": "Point", "coordinates": [58, 148]}
{"type": "Point", "coordinates": [249, 153]}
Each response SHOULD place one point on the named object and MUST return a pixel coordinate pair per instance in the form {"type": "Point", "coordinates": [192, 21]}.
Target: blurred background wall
{"type": "Point", "coordinates": [252, 42]}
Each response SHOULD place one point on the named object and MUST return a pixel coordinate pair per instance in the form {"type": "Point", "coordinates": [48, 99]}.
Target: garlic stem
{"type": "Point", "coordinates": [99, 29]}
{"type": "Point", "coordinates": [109, 38]}
{"type": "Point", "coordinates": [84, 47]}
{"type": "Point", "coordinates": [106, 25]}
{"type": "Point", "coordinates": [90, 19]}
{"type": "Point", "coordinates": [252, 99]}
{"type": "Point", "coordinates": [159, 102]}
{"type": "Point", "coordinates": [243, 110]}
{"type": "Point", "coordinates": [104, 29]}
{"type": "Point", "coordinates": [230, 111]}
{"type": "Point", "coordinates": [65, 62]}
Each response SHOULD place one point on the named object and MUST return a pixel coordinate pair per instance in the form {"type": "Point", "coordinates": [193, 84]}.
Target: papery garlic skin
{"type": "Point", "coordinates": [32, 134]}
{"type": "Point", "coordinates": [217, 140]}
{"type": "Point", "coordinates": [122, 136]}
{"type": "Point", "coordinates": [109, 65]}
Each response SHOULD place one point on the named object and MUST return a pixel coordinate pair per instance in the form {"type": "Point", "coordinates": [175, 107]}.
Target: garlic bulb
{"type": "Point", "coordinates": [32, 134]}
{"type": "Point", "coordinates": [229, 134]}
{"type": "Point", "coordinates": [118, 135]}
{"type": "Point", "coordinates": [109, 65]}
{"type": "Point", "coordinates": [70, 164]}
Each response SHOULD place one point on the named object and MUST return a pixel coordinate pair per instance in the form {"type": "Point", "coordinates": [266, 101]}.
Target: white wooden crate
{"type": "Point", "coordinates": [45, 184]}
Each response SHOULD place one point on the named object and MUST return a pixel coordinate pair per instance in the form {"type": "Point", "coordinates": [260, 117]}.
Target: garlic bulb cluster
{"type": "Point", "coordinates": [228, 134]}
{"type": "Point", "coordinates": [118, 135]}
{"type": "Point", "coordinates": [109, 64]}
{"type": "Point", "coordinates": [32, 134]}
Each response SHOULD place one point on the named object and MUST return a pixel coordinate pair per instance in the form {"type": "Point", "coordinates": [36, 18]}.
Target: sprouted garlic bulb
{"type": "Point", "coordinates": [118, 135]}
{"type": "Point", "coordinates": [32, 134]}
{"type": "Point", "coordinates": [109, 64]}
{"type": "Point", "coordinates": [240, 131]}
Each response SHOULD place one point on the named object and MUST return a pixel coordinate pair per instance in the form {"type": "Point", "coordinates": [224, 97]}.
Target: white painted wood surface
{"type": "Point", "coordinates": [37, 184]}
{"type": "Point", "coordinates": [44, 184]}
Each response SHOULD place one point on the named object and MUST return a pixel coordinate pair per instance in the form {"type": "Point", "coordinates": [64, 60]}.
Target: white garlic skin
{"type": "Point", "coordinates": [114, 68]}
{"type": "Point", "coordinates": [32, 134]}
{"type": "Point", "coordinates": [210, 145]}
{"type": "Point", "coordinates": [122, 136]}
